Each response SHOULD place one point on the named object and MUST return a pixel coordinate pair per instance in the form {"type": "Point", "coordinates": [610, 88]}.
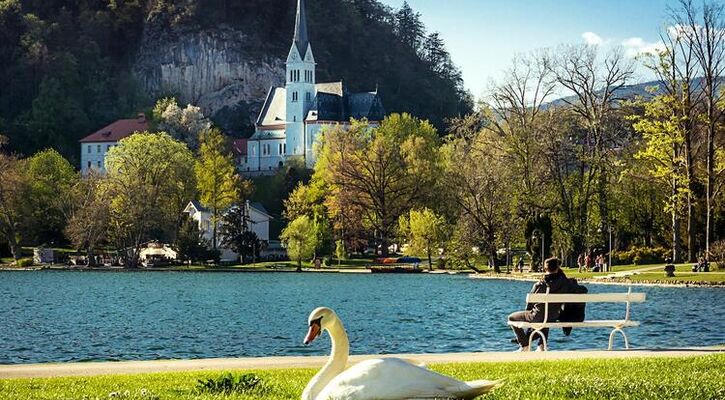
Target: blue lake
{"type": "Point", "coordinates": [83, 316]}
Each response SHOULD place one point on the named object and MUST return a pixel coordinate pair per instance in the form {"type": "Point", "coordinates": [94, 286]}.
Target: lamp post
{"type": "Point", "coordinates": [609, 265]}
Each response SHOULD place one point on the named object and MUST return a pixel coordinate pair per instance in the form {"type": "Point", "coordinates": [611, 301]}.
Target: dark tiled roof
{"type": "Point", "coordinates": [258, 206]}
{"type": "Point", "coordinates": [118, 130]}
{"type": "Point", "coordinates": [198, 206]}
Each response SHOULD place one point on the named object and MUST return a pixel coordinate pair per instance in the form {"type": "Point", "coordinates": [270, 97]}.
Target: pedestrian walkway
{"type": "Point", "coordinates": [215, 364]}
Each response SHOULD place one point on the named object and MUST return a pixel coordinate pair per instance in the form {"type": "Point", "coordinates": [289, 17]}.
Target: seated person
{"type": "Point", "coordinates": [557, 282]}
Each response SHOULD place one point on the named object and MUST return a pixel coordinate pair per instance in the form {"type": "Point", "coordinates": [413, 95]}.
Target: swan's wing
{"type": "Point", "coordinates": [394, 379]}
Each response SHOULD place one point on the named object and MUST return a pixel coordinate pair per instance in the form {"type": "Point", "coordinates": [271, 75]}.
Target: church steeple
{"type": "Point", "coordinates": [300, 39]}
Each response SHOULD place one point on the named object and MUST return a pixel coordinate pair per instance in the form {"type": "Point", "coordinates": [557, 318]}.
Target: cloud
{"type": "Point", "coordinates": [592, 38]}
{"type": "Point", "coordinates": [635, 46]}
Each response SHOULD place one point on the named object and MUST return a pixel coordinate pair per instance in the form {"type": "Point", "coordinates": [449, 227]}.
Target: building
{"type": "Point", "coordinates": [95, 146]}
{"type": "Point", "coordinates": [258, 223]}
{"type": "Point", "coordinates": [293, 116]}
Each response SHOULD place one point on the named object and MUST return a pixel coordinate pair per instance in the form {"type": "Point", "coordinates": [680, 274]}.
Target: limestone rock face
{"type": "Point", "coordinates": [221, 70]}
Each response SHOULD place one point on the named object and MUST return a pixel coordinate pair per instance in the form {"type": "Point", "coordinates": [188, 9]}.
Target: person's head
{"type": "Point", "coordinates": [552, 265]}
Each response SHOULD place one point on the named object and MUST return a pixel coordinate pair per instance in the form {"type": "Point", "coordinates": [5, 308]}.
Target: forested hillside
{"type": "Point", "coordinates": [67, 66]}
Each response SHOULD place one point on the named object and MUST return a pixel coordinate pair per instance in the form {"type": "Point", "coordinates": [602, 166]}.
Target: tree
{"type": "Point", "coordinates": [236, 234]}
{"type": "Point", "coordinates": [705, 32]}
{"type": "Point", "coordinates": [409, 27]}
{"type": "Point", "coordinates": [424, 231]}
{"type": "Point", "coordinates": [148, 176]}
{"type": "Point", "coordinates": [183, 124]}
{"type": "Point", "coordinates": [300, 239]}
{"type": "Point", "coordinates": [89, 216]}
{"type": "Point", "coordinates": [14, 188]}
{"type": "Point", "coordinates": [478, 180]}
{"type": "Point", "coordinates": [190, 242]}
{"type": "Point", "coordinates": [663, 153]}
{"type": "Point", "coordinates": [218, 181]}
{"type": "Point", "coordinates": [379, 172]}
{"type": "Point", "coordinates": [52, 179]}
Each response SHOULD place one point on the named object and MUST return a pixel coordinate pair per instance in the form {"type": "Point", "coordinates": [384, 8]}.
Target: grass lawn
{"type": "Point", "coordinates": [700, 378]}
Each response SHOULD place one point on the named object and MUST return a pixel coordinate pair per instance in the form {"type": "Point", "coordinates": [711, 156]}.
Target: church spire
{"type": "Point", "coordinates": [301, 40]}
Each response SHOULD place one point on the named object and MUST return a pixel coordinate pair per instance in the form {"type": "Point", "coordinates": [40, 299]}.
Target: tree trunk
{"type": "Point", "coordinates": [15, 249]}
{"type": "Point", "coordinates": [430, 260]}
{"type": "Point", "coordinates": [299, 265]}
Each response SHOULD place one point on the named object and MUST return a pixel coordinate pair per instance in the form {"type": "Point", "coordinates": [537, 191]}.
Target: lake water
{"type": "Point", "coordinates": [83, 316]}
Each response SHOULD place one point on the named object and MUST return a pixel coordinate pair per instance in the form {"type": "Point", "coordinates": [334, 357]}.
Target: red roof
{"type": "Point", "coordinates": [118, 130]}
{"type": "Point", "coordinates": [240, 147]}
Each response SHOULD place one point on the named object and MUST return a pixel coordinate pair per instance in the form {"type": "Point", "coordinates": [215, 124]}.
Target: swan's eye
{"type": "Point", "coordinates": [317, 321]}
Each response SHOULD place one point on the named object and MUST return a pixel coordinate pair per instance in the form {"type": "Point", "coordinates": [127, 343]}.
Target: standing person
{"type": "Point", "coordinates": [520, 265]}
{"type": "Point", "coordinates": [588, 262]}
{"type": "Point", "coordinates": [580, 262]}
{"type": "Point", "coordinates": [557, 282]}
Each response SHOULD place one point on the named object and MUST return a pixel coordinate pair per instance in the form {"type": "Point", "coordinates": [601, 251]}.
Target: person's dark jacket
{"type": "Point", "coordinates": [556, 283]}
{"type": "Point", "coordinates": [573, 312]}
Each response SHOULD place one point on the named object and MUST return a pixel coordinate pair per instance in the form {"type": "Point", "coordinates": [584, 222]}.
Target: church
{"type": "Point", "coordinates": [293, 116]}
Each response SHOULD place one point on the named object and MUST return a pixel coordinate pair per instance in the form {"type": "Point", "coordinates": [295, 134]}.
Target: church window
{"type": "Point", "coordinates": [280, 149]}
{"type": "Point", "coordinates": [284, 148]}
{"type": "Point", "coordinates": [294, 97]}
{"type": "Point", "coordinates": [308, 96]}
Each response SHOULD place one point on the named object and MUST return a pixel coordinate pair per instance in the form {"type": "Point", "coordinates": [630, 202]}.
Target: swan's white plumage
{"type": "Point", "coordinates": [380, 379]}
{"type": "Point", "coordinates": [396, 379]}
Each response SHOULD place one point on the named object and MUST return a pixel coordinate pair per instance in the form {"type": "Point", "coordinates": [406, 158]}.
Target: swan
{"type": "Point", "coordinates": [377, 379]}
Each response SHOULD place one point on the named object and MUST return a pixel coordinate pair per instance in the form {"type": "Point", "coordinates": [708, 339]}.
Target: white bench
{"type": "Point", "coordinates": [617, 325]}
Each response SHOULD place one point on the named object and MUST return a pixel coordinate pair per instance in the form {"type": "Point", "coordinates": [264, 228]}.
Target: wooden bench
{"type": "Point", "coordinates": [617, 325]}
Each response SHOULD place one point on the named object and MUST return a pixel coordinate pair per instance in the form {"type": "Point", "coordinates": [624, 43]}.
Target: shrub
{"type": "Point", "coordinates": [228, 383]}
{"type": "Point", "coordinates": [640, 255]}
{"type": "Point", "coordinates": [441, 263]}
{"type": "Point", "coordinates": [717, 254]}
{"type": "Point", "coordinates": [24, 262]}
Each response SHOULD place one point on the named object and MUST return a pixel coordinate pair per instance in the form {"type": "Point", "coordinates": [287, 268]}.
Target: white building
{"type": "Point", "coordinates": [293, 116]}
{"type": "Point", "coordinates": [258, 223]}
{"type": "Point", "coordinates": [95, 146]}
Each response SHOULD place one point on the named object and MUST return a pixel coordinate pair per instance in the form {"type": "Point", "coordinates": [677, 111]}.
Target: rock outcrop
{"type": "Point", "coordinates": [222, 70]}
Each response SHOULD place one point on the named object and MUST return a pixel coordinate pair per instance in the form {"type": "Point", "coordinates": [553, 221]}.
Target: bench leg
{"type": "Point", "coordinates": [611, 338]}
{"type": "Point", "coordinates": [541, 335]}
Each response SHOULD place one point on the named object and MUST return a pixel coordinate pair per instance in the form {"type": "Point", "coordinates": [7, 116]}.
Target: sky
{"type": "Point", "coordinates": [484, 35]}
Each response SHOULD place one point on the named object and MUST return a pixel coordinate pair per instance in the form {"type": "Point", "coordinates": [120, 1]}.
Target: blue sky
{"type": "Point", "coordinates": [484, 35]}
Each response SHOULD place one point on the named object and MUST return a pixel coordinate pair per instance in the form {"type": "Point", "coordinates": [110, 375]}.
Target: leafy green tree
{"type": "Point", "coordinates": [424, 231]}
{"type": "Point", "coordinates": [300, 239]}
{"type": "Point", "coordinates": [378, 174]}
{"type": "Point", "coordinates": [89, 216]}
{"type": "Point", "coordinates": [236, 234]}
{"type": "Point", "coordinates": [190, 242]}
{"type": "Point", "coordinates": [148, 175]}
{"type": "Point", "coordinates": [217, 179]}
{"type": "Point", "coordinates": [51, 179]}
{"type": "Point", "coordinates": [14, 188]}
{"type": "Point", "coordinates": [664, 157]}
{"type": "Point", "coordinates": [183, 124]}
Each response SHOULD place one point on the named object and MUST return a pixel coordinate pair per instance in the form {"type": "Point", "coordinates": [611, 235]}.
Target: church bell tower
{"type": "Point", "coordinates": [300, 86]}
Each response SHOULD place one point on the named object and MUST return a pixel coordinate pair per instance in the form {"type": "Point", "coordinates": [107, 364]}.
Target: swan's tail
{"type": "Point", "coordinates": [477, 388]}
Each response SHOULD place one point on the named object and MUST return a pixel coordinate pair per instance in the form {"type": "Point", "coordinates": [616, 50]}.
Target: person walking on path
{"type": "Point", "coordinates": [557, 282]}
{"type": "Point", "coordinates": [580, 262]}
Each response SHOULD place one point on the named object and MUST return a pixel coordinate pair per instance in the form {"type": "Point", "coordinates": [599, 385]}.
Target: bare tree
{"type": "Point", "coordinates": [705, 32]}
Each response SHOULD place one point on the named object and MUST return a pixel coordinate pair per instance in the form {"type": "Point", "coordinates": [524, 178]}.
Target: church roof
{"type": "Point", "coordinates": [274, 111]}
{"type": "Point", "coordinates": [301, 40]}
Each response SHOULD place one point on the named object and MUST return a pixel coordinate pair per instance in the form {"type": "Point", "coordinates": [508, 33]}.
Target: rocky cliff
{"type": "Point", "coordinates": [221, 70]}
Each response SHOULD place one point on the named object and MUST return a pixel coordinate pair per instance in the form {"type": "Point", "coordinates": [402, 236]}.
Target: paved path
{"type": "Point", "coordinates": [136, 367]}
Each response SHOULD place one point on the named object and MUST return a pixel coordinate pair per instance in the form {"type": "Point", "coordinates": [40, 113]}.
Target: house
{"type": "Point", "coordinates": [259, 220]}
{"type": "Point", "coordinates": [293, 116]}
{"type": "Point", "coordinates": [95, 146]}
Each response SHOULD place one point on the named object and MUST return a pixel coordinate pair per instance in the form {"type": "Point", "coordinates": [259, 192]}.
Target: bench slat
{"type": "Point", "coordinates": [586, 298]}
{"type": "Point", "coordinates": [585, 324]}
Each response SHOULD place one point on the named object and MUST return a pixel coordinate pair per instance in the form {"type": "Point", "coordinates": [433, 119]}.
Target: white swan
{"type": "Point", "coordinates": [378, 379]}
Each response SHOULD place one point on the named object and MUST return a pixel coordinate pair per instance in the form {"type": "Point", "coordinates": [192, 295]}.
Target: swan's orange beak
{"type": "Point", "coordinates": [313, 333]}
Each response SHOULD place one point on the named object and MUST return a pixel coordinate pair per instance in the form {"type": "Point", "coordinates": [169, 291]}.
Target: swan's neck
{"type": "Point", "coordinates": [335, 364]}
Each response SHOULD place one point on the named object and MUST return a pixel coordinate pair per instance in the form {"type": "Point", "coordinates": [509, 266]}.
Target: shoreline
{"type": "Point", "coordinates": [615, 282]}
{"type": "Point", "coordinates": [470, 273]}
{"type": "Point", "coordinates": [50, 370]}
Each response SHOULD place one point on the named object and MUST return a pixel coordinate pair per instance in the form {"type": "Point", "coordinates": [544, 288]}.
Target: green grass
{"type": "Point", "coordinates": [695, 378]}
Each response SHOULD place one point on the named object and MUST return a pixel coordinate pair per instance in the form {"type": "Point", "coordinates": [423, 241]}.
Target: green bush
{"type": "Point", "coordinates": [717, 255]}
{"type": "Point", "coordinates": [228, 383]}
{"type": "Point", "coordinates": [24, 262]}
{"type": "Point", "coordinates": [640, 255]}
